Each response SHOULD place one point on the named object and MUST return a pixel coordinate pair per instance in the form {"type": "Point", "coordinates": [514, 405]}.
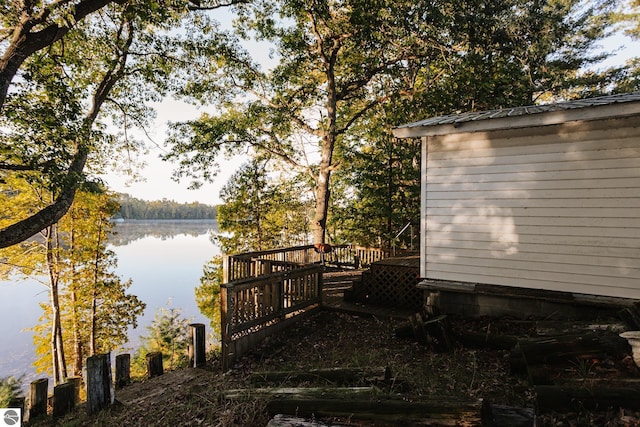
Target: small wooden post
{"type": "Point", "coordinates": [77, 384]}
{"type": "Point", "coordinates": [99, 386]}
{"type": "Point", "coordinates": [225, 322]}
{"type": "Point", "coordinates": [18, 402]}
{"type": "Point", "coordinates": [197, 357]}
{"type": "Point", "coordinates": [64, 399]}
{"type": "Point", "coordinates": [225, 268]}
{"type": "Point", "coordinates": [123, 370]}
{"type": "Point", "coordinates": [38, 398]}
{"type": "Point", "coordinates": [154, 364]}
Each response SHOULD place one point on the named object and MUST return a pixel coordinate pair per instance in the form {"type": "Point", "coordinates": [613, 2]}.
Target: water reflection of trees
{"type": "Point", "coordinates": [130, 231]}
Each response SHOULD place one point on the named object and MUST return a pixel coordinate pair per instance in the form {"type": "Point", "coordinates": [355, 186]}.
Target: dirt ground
{"type": "Point", "coordinates": [329, 340]}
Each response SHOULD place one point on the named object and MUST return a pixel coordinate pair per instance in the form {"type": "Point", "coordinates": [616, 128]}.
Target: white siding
{"type": "Point", "coordinates": [554, 207]}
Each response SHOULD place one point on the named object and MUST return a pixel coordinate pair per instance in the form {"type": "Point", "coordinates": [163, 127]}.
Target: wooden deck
{"type": "Point", "coordinates": [410, 261]}
{"type": "Point", "coordinates": [334, 285]}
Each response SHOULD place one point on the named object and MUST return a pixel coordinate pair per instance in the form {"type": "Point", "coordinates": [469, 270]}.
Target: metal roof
{"type": "Point", "coordinates": [459, 120]}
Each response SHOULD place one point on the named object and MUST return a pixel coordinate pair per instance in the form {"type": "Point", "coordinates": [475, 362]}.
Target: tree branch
{"type": "Point", "coordinates": [22, 230]}
{"type": "Point", "coordinates": [25, 43]}
{"type": "Point", "coordinates": [197, 4]}
{"type": "Point", "coordinates": [15, 168]}
{"type": "Point", "coordinates": [26, 228]}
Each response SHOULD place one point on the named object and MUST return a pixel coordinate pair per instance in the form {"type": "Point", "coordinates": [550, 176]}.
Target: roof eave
{"type": "Point", "coordinates": [517, 122]}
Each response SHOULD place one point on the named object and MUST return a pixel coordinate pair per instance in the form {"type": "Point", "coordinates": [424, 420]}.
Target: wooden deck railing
{"type": "Point", "coordinates": [265, 291]}
{"type": "Point", "coordinates": [253, 264]}
{"type": "Point", "coordinates": [255, 307]}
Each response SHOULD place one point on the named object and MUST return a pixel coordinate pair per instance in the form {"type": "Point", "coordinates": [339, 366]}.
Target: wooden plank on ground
{"type": "Point", "coordinates": [550, 398]}
{"type": "Point", "coordinates": [363, 403]}
{"type": "Point", "coordinates": [282, 420]}
{"type": "Point", "coordinates": [339, 376]}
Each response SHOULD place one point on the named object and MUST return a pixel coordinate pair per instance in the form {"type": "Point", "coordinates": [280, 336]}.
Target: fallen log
{"type": "Point", "coordinates": [507, 416]}
{"type": "Point", "coordinates": [441, 412]}
{"type": "Point", "coordinates": [336, 376]}
{"type": "Point", "coordinates": [484, 340]}
{"type": "Point", "coordinates": [364, 403]}
{"type": "Point", "coordinates": [281, 420]}
{"type": "Point", "coordinates": [563, 349]}
{"type": "Point", "coordinates": [298, 393]}
{"type": "Point", "coordinates": [551, 398]}
{"type": "Point", "coordinates": [558, 328]}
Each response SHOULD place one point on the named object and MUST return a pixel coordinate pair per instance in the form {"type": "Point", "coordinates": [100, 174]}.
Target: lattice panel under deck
{"type": "Point", "coordinates": [393, 286]}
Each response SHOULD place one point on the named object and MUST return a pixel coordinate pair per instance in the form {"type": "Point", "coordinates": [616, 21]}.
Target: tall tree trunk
{"type": "Point", "coordinates": [390, 236]}
{"type": "Point", "coordinates": [57, 347]}
{"type": "Point", "coordinates": [77, 342]}
{"type": "Point", "coordinates": [319, 225]}
{"type": "Point", "coordinates": [92, 340]}
{"type": "Point", "coordinates": [75, 321]}
{"type": "Point", "coordinates": [94, 298]}
{"type": "Point", "coordinates": [323, 193]}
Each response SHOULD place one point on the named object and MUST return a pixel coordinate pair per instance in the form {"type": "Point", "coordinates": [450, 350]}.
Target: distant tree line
{"type": "Point", "coordinates": [133, 208]}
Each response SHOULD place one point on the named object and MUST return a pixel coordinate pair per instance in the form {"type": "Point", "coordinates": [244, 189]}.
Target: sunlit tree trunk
{"type": "Point", "coordinates": [57, 346]}
{"type": "Point", "coordinates": [97, 271]}
{"type": "Point", "coordinates": [329, 137]}
{"type": "Point", "coordinates": [75, 321]}
{"type": "Point", "coordinates": [77, 342]}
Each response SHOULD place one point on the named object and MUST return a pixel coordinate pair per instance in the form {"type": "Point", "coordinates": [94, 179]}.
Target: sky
{"type": "Point", "coordinates": [157, 182]}
{"type": "Point", "coordinates": [157, 174]}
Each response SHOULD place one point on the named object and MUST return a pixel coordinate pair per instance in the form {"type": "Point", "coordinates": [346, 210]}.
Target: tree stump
{"type": "Point", "coordinates": [38, 398]}
{"type": "Point", "coordinates": [99, 386]}
{"type": "Point", "coordinates": [434, 333]}
{"type": "Point", "coordinates": [77, 385]}
{"type": "Point", "coordinates": [123, 370]}
{"type": "Point", "coordinates": [18, 402]}
{"type": "Point", "coordinates": [197, 349]}
{"type": "Point", "coordinates": [64, 399]}
{"type": "Point", "coordinates": [154, 364]}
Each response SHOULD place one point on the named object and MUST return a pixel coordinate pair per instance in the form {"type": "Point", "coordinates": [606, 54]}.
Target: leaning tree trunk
{"type": "Point", "coordinates": [27, 227]}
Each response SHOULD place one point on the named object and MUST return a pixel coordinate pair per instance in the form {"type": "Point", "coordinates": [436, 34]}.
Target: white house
{"type": "Point", "coordinates": [544, 197]}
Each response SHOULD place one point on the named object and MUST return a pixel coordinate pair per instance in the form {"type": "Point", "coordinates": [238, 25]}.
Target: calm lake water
{"type": "Point", "coordinates": [164, 259]}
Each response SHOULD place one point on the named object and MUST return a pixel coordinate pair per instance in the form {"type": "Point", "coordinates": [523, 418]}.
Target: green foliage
{"type": "Point", "coordinates": [73, 261]}
{"type": "Point", "coordinates": [630, 18]}
{"type": "Point", "coordinates": [133, 208]}
{"type": "Point", "coordinates": [86, 68]}
{"type": "Point", "coordinates": [208, 294]}
{"type": "Point", "coordinates": [9, 389]}
{"type": "Point", "coordinates": [383, 195]}
{"type": "Point", "coordinates": [260, 212]}
{"type": "Point", "coordinates": [169, 334]}
{"type": "Point", "coordinates": [351, 70]}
